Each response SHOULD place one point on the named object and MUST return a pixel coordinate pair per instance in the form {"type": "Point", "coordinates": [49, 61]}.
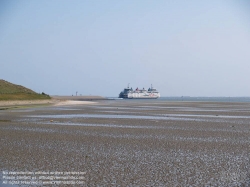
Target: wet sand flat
{"type": "Point", "coordinates": [132, 143]}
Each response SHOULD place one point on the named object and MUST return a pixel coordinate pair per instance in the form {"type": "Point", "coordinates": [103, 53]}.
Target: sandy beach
{"type": "Point", "coordinates": [28, 102]}
{"type": "Point", "coordinates": [56, 100]}
{"type": "Point", "coordinates": [70, 102]}
{"type": "Point", "coordinates": [132, 143]}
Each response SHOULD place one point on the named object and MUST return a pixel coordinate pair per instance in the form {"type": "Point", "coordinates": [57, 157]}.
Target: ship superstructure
{"type": "Point", "coordinates": [129, 93]}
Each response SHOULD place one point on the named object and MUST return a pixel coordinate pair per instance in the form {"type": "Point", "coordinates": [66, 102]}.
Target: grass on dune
{"type": "Point", "coordinates": [9, 88]}
{"type": "Point", "coordinates": [23, 96]}
{"type": "Point", "coordinates": [9, 91]}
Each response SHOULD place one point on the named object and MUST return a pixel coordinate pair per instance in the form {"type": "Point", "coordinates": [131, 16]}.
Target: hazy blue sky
{"type": "Point", "coordinates": [190, 48]}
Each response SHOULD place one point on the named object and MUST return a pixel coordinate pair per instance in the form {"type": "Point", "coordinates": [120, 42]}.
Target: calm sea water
{"type": "Point", "coordinates": [218, 99]}
{"type": "Point", "coordinates": [209, 99]}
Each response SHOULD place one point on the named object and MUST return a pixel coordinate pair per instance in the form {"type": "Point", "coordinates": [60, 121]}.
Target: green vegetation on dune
{"type": "Point", "coordinates": [23, 96]}
{"type": "Point", "coordinates": [9, 91]}
{"type": "Point", "coordinates": [9, 88]}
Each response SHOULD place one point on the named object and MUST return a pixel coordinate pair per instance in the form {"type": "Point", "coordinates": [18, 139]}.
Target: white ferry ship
{"type": "Point", "coordinates": [129, 93]}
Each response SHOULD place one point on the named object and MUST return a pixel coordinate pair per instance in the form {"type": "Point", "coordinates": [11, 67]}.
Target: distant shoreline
{"type": "Point", "coordinates": [76, 100]}
{"type": "Point", "coordinates": [25, 103]}
{"type": "Point", "coordinates": [55, 100]}
{"type": "Point", "coordinates": [80, 98]}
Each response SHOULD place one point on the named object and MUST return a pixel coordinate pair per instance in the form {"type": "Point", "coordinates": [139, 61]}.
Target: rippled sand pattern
{"type": "Point", "coordinates": [132, 143]}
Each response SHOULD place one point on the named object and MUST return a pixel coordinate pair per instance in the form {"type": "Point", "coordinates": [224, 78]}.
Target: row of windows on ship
{"type": "Point", "coordinates": [137, 89]}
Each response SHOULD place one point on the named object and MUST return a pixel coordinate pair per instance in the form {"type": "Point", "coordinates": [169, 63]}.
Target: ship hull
{"type": "Point", "coordinates": [140, 96]}
{"type": "Point", "coordinates": [128, 93]}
